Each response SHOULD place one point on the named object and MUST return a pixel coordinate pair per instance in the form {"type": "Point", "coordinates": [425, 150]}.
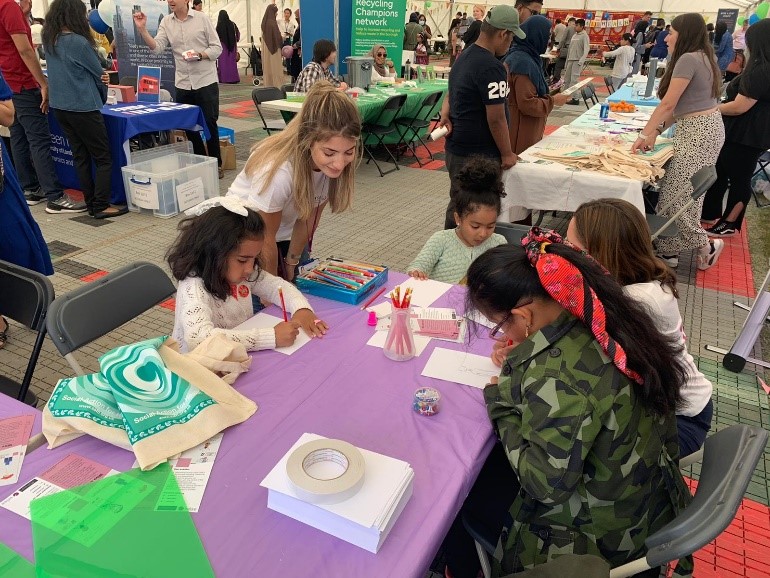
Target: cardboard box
{"type": "Point", "coordinates": [178, 136]}
{"type": "Point", "coordinates": [227, 151]}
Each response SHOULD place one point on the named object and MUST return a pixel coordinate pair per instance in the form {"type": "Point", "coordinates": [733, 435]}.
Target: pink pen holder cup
{"type": "Point", "coordinates": [399, 344]}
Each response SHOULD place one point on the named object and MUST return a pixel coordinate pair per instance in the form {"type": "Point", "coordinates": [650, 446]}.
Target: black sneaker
{"type": "Point", "coordinates": [34, 197]}
{"type": "Point", "coordinates": [573, 101]}
{"type": "Point", "coordinates": [65, 204]}
{"type": "Point", "coordinates": [722, 229]}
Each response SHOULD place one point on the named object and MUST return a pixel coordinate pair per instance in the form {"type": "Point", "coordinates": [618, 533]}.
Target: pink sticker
{"type": "Point", "coordinates": [764, 385]}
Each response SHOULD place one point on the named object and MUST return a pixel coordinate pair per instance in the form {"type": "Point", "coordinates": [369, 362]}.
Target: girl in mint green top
{"type": "Point", "coordinates": [447, 254]}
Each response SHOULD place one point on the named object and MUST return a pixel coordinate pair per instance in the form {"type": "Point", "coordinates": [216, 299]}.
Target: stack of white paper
{"type": "Point", "coordinates": [366, 518]}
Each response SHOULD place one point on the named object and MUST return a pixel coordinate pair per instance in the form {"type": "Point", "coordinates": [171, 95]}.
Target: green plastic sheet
{"type": "Point", "coordinates": [131, 524]}
{"type": "Point", "coordinates": [14, 566]}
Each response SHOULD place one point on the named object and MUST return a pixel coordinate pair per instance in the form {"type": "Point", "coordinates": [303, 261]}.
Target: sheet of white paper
{"type": "Point", "coordinates": [381, 309]}
{"type": "Point", "coordinates": [378, 340]}
{"type": "Point", "coordinates": [460, 367]}
{"type": "Point", "coordinates": [383, 477]}
{"type": "Point", "coordinates": [424, 293]}
{"type": "Point", "coordinates": [264, 321]}
{"type": "Point", "coordinates": [477, 317]}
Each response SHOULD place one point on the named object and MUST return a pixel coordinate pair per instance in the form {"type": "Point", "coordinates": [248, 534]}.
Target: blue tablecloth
{"type": "Point", "coordinates": [626, 93]}
{"type": "Point", "coordinates": [124, 121]}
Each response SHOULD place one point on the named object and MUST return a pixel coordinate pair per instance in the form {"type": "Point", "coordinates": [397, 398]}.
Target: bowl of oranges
{"type": "Point", "coordinates": [622, 106]}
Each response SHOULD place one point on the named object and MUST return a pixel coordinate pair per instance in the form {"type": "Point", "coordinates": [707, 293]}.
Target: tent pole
{"type": "Point", "coordinates": [248, 19]}
{"type": "Point", "coordinates": [337, 35]}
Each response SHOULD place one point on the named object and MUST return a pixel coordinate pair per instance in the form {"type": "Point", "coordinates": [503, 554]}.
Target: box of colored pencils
{"type": "Point", "coordinates": [343, 280]}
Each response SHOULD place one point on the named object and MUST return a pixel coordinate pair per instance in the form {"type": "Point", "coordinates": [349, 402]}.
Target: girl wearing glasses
{"type": "Point", "coordinates": [584, 407]}
{"type": "Point", "coordinates": [383, 66]}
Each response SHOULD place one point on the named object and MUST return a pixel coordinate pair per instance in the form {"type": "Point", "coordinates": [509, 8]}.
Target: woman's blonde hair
{"type": "Point", "coordinates": [326, 113]}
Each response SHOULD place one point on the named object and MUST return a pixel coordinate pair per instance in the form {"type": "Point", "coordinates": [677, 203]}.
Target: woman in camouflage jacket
{"type": "Point", "coordinates": [584, 406]}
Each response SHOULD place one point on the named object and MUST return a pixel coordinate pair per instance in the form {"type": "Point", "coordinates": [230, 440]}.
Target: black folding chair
{"type": "Point", "coordinates": [263, 94]}
{"type": "Point", "coordinates": [512, 232]}
{"type": "Point", "coordinates": [288, 87]}
{"type": "Point", "coordinates": [762, 164]}
{"type": "Point", "coordinates": [95, 309]}
{"type": "Point", "coordinates": [608, 84]}
{"type": "Point", "coordinates": [382, 127]}
{"type": "Point", "coordinates": [588, 92]}
{"type": "Point", "coordinates": [25, 297]}
{"type": "Point", "coordinates": [666, 226]}
{"type": "Point", "coordinates": [409, 128]}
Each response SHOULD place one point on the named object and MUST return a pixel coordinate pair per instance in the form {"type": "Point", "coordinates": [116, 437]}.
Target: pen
{"type": "Point", "coordinates": [380, 292]}
{"type": "Point", "coordinates": [283, 303]}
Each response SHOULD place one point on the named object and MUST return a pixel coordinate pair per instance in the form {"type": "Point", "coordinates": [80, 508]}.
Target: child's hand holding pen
{"type": "Point", "coordinates": [308, 321]}
{"type": "Point", "coordinates": [286, 333]}
{"type": "Point", "coordinates": [500, 350]}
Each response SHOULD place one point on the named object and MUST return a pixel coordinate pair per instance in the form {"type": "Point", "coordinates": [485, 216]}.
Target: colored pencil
{"type": "Point", "coordinates": [283, 304]}
{"type": "Point", "coordinates": [380, 292]}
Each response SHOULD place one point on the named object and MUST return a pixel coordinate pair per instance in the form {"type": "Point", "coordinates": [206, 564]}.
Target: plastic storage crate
{"type": "Point", "coordinates": [163, 180]}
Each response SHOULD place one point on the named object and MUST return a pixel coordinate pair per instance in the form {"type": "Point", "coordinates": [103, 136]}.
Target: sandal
{"type": "Point", "coordinates": [4, 332]}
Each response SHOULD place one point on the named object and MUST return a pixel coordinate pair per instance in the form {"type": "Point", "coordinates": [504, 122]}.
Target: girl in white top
{"type": "Point", "coordinates": [383, 66]}
{"type": "Point", "coordinates": [624, 60]}
{"type": "Point", "coordinates": [291, 176]}
{"type": "Point", "coordinates": [215, 259]}
{"type": "Point", "coordinates": [616, 234]}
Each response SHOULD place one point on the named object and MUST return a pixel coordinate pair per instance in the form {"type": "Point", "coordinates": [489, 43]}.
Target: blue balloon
{"type": "Point", "coordinates": [754, 18]}
{"type": "Point", "coordinates": [96, 22]}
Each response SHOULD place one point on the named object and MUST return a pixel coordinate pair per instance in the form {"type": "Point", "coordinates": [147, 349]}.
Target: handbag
{"type": "Point", "coordinates": [238, 56]}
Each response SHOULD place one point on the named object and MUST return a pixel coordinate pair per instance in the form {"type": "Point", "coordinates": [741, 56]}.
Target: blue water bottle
{"type": "Point", "coordinates": [604, 111]}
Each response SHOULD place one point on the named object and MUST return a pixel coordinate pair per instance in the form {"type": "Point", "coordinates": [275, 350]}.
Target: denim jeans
{"type": "Point", "coordinates": [31, 144]}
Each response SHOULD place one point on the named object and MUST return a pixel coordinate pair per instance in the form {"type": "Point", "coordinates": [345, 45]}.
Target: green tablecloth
{"type": "Point", "coordinates": [369, 104]}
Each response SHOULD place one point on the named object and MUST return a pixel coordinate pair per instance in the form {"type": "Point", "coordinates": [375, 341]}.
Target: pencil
{"type": "Point", "coordinates": [283, 303]}
{"type": "Point", "coordinates": [380, 292]}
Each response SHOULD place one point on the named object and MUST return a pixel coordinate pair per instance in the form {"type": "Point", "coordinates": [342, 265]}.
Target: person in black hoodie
{"type": "Point", "coordinates": [746, 115]}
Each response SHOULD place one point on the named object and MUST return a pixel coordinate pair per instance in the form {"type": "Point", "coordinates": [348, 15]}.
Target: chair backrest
{"type": "Point", "coordinates": [288, 87]}
{"type": "Point", "coordinates": [25, 297]}
{"type": "Point", "coordinates": [702, 180]}
{"type": "Point", "coordinates": [512, 232]}
{"type": "Point", "coordinates": [589, 92]}
{"type": "Point", "coordinates": [729, 459]}
{"type": "Point", "coordinates": [428, 106]}
{"type": "Point", "coordinates": [95, 309]}
{"type": "Point", "coordinates": [263, 94]}
{"type": "Point", "coordinates": [608, 84]}
{"type": "Point", "coordinates": [390, 110]}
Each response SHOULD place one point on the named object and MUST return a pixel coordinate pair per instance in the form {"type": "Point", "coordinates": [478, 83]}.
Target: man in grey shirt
{"type": "Point", "coordinates": [196, 47]}
{"type": "Point", "coordinates": [563, 40]}
{"type": "Point", "coordinates": [576, 56]}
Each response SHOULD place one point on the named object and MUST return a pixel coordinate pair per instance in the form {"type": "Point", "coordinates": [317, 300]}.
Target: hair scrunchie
{"type": "Point", "coordinates": [566, 285]}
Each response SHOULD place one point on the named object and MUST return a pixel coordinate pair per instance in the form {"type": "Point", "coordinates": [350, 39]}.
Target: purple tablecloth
{"type": "Point", "coordinates": [337, 387]}
{"type": "Point", "coordinates": [10, 407]}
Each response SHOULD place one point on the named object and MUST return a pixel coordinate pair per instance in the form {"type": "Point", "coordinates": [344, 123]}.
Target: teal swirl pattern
{"type": "Point", "coordinates": [134, 391]}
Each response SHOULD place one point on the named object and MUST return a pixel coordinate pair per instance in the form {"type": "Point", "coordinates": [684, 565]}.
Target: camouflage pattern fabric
{"type": "Point", "coordinates": [598, 473]}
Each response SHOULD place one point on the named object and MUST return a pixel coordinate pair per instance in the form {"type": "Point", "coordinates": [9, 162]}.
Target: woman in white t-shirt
{"type": "Point", "coordinates": [616, 234]}
{"type": "Point", "coordinates": [291, 176]}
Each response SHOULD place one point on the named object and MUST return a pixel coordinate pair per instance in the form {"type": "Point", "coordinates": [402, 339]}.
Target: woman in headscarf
{"type": "Point", "coordinates": [272, 62]}
{"type": "Point", "coordinates": [229, 35]}
{"type": "Point", "coordinates": [528, 100]}
{"type": "Point", "coordinates": [383, 66]}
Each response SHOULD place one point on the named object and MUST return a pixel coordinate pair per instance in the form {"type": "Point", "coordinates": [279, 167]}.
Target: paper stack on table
{"type": "Point", "coordinates": [364, 519]}
{"type": "Point", "coordinates": [14, 436]}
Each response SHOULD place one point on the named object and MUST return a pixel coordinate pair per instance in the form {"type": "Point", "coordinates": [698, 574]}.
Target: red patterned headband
{"type": "Point", "coordinates": [566, 285]}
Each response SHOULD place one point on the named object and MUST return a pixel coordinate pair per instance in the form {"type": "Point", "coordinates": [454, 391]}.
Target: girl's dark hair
{"type": "Point", "coordinates": [758, 44]}
{"type": "Point", "coordinates": [502, 277]}
{"type": "Point", "coordinates": [719, 30]}
{"type": "Point", "coordinates": [478, 184]}
{"type": "Point", "coordinates": [205, 241]}
{"type": "Point", "coordinates": [628, 38]}
{"type": "Point", "coordinates": [69, 14]}
{"type": "Point", "coordinates": [693, 37]}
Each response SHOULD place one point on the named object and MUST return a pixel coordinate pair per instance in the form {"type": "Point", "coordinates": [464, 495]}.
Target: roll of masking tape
{"type": "Point", "coordinates": [326, 471]}
{"type": "Point", "coordinates": [426, 401]}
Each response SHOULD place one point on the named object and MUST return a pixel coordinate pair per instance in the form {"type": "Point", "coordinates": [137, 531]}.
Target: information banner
{"type": "Point", "coordinates": [131, 49]}
{"type": "Point", "coordinates": [601, 26]}
{"type": "Point", "coordinates": [730, 17]}
{"type": "Point", "coordinates": [378, 22]}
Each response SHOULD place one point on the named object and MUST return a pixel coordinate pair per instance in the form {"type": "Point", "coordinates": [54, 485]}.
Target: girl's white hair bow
{"type": "Point", "coordinates": [231, 203]}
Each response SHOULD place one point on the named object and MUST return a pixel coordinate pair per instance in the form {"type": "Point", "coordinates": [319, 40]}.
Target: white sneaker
{"type": "Point", "coordinates": [708, 254]}
{"type": "Point", "coordinates": [670, 260]}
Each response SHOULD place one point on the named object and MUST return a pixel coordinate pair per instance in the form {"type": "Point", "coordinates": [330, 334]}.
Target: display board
{"type": "Point", "coordinates": [601, 26]}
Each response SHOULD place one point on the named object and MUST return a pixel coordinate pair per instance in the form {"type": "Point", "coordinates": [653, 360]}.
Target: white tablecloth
{"type": "Point", "coordinates": [535, 183]}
